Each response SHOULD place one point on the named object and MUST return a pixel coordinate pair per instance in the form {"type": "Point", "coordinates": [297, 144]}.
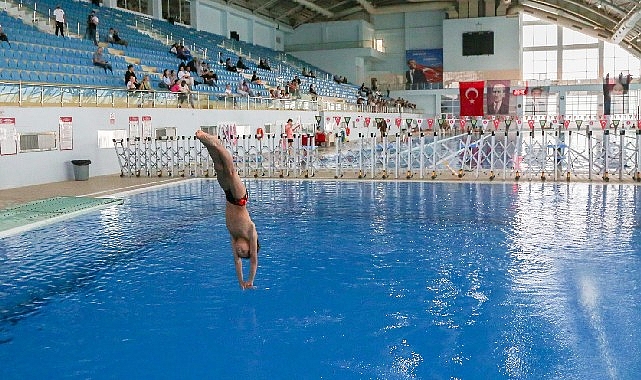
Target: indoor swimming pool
{"type": "Point", "coordinates": [356, 280]}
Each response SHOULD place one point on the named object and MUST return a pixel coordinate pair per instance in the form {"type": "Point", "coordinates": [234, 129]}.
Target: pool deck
{"type": "Point", "coordinates": [99, 186]}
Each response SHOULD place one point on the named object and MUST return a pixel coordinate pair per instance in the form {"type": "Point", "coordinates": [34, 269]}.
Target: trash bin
{"type": "Point", "coordinates": [81, 169]}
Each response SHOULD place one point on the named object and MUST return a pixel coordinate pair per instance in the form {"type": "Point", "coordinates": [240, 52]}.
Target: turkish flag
{"type": "Point", "coordinates": [471, 95]}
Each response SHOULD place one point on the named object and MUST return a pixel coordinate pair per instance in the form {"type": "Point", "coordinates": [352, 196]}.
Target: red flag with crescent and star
{"type": "Point", "coordinates": [471, 95]}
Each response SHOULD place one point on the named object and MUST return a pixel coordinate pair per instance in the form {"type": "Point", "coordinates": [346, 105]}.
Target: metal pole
{"type": "Point", "coordinates": [606, 149]}
{"type": "Point", "coordinates": [422, 154]}
{"type": "Point", "coordinates": [590, 154]}
{"type": "Point", "coordinates": [621, 151]}
{"type": "Point", "coordinates": [373, 154]}
{"type": "Point", "coordinates": [397, 155]}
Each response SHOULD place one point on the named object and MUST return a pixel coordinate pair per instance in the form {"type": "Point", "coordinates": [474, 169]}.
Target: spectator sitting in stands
{"type": "Point", "coordinates": [3, 36]}
{"type": "Point", "coordinates": [338, 78]}
{"type": "Point", "coordinates": [145, 85]}
{"type": "Point", "coordinates": [312, 92]}
{"type": "Point", "coordinates": [229, 66]}
{"type": "Point", "coordinates": [165, 80]}
{"type": "Point", "coordinates": [145, 88]}
{"type": "Point", "coordinates": [175, 87]}
{"type": "Point", "coordinates": [264, 64]}
{"type": "Point", "coordinates": [193, 65]}
{"type": "Point", "coordinates": [183, 53]}
{"type": "Point", "coordinates": [244, 90]}
{"type": "Point", "coordinates": [209, 77]}
{"type": "Point", "coordinates": [131, 84]}
{"type": "Point", "coordinates": [202, 67]}
{"type": "Point", "coordinates": [311, 74]}
{"type": "Point", "coordinates": [114, 38]}
{"type": "Point", "coordinates": [240, 64]}
{"type": "Point", "coordinates": [185, 74]}
{"type": "Point", "coordinates": [129, 73]}
{"type": "Point", "coordinates": [305, 73]}
{"type": "Point", "coordinates": [192, 80]}
{"type": "Point", "coordinates": [255, 78]}
{"type": "Point", "coordinates": [228, 94]}
{"type": "Point", "coordinates": [99, 60]}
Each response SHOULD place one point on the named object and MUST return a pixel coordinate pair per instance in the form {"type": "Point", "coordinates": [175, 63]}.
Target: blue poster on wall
{"type": "Point", "coordinates": [429, 61]}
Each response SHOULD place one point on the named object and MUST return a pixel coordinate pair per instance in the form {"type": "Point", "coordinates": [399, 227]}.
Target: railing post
{"type": "Point", "coordinates": [422, 154]}
{"type": "Point", "coordinates": [373, 154]}
{"type": "Point", "coordinates": [621, 152]}
{"type": "Point", "coordinates": [590, 155]}
{"type": "Point", "coordinates": [606, 150]}
{"type": "Point", "coordinates": [397, 155]}
{"type": "Point", "coordinates": [637, 174]}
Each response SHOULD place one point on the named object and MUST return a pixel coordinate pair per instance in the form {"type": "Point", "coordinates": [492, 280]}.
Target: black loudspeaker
{"type": "Point", "coordinates": [234, 35]}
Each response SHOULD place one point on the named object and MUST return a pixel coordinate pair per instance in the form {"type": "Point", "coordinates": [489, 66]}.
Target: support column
{"type": "Point", "coordinates": [193, 10]}
{"type": "Point", "coordinates": [156, 9]}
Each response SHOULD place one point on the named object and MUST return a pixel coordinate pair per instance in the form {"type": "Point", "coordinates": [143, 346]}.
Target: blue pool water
{"type": "Point", "coordinates": [357, 280]}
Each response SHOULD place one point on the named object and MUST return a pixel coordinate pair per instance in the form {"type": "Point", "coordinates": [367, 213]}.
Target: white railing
{"type": "Point", "coordinates": [544, 154]}
{"type": "Point", "coordinates": [34, 94]}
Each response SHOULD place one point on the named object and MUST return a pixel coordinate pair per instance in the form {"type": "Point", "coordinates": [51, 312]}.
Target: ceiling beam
{"type": "Point", "coordinates": [626, 24]}
{"type": "Point", "coordinates": [265, 5]}
{"type": "Point", "coordinates": [315, 8]}
{"type": "Point", "coordinates": [369, 8]}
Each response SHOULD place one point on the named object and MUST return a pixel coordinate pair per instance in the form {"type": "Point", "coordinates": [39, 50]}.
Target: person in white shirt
{"type": "Point", "coordinates": [59, 14]}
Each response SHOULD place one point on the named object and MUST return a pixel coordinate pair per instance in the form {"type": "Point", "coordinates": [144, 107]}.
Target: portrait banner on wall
{"type": "Point", "coordinates": [65, 132]}
{"type": "Point", "coordinates": [614, 94]}
{"type": "Point", "coordinates": [429, 62]}
{"type": "Point", "coordinates": [498, 97]}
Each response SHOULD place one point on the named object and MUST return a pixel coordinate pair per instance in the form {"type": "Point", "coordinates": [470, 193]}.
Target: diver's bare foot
{"type": "Point", "coordinates": [206, 138]}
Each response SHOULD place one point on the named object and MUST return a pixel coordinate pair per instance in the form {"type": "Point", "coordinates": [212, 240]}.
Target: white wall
{"type": "Point", "coordinates": [399, 32]}
{"type": "Point", "coordinates": [31, 168]}
{"type": "Point", "coordinates": [210, 19]}
{"type": "Point", "coordinates": [217, 18]}
{"type": "Point", "coordinates": [505, 63]}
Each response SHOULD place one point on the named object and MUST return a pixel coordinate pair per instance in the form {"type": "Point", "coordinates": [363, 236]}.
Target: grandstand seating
{"type": "Point", "coordinates": [41, 57]}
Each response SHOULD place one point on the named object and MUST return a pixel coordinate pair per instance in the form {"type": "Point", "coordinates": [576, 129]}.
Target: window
{"type": "Point", "coordinates": [539, 35]}
{"type": "Point", "coordinates": [572, 37]}
{"type": "Point", "coordinates": [616, 60]}
{"type": "Point", "coordinates": [581, 103]}
{"type": "Point", "coordinates": [177, 10]}
{"type": "Point", "coordinates": [378, 45]}
{"type": "Point", "coordinates": [165, 133]}
{"type": "Point", "coordinates": [141, 6]}
{"type": "Point", "coordinates": [580, 64]}
{"type": "Point", "coordinates": [527, 18]}
{"type": "Point", "coordinates": [540, 65]}
{"type": "Point", "coordinates": [40, 141]}
{"type": "Point", "coordinates": [106, 137]}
